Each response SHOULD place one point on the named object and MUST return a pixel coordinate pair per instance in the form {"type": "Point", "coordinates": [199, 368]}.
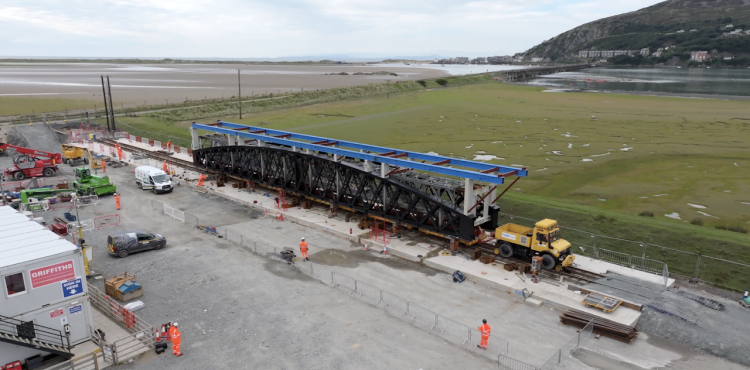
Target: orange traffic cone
{"type": "Point", "coordinates": [366, 247]}
{"type": "Point", "coordinates": [385, 249]}
{"type": "Point", "coordinates": [281, 216]}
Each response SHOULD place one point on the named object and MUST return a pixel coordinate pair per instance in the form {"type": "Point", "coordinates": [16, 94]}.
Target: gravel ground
{"type": "Point", "coordinates": [241, 310]}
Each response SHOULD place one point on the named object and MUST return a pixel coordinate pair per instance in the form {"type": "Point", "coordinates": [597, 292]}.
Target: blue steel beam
{"type": "Point", "coordinates": [522, 172]}
{"type": "Point", "coordinates": [494, 179]}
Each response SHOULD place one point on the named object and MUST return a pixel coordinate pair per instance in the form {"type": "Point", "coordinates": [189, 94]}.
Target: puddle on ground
{"type": "Point", "coordinates": [353, 258]}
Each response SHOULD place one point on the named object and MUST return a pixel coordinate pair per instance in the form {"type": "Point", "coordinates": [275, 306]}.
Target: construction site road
{"type": "Point", "coordinates": [240, 310]}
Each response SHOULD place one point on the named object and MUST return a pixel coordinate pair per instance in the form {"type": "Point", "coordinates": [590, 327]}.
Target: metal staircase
{"type": "Point", "coordinates": [28, 334]}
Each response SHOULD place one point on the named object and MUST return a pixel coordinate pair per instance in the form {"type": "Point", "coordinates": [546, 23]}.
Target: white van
{"type": "Point", "coordinates": [154, 179]}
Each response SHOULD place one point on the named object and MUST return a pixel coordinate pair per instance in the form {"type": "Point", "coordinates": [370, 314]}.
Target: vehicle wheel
{"type": "Point", "coordinates": [506, 250]}
{"type": "Point", "coordinates": [140, 186]}
{"type": "Point", "coordinates": [123, 253]}
{"type": "Point", "coordinates": [91, 191]}
{"type": "Point", "coordinates": [70, 163]}
{"type": "Point", "coordinates": [19, 175]}
{"type": "Point", "coordinates": [85, 161]}
{"type": "Point", "coordinates": [159, 245]}
{"type": "Point", "coordinates": [48, 172]}
{"type": "Point", "coordinates": [154, 190]}
{"type": "Point", "coordinates": [548, 262]}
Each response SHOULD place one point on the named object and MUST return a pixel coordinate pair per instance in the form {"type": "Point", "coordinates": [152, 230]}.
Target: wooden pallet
{"type": "Point", "coordinates": [607, 304]}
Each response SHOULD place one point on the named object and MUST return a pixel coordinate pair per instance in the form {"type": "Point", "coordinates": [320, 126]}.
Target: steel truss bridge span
{"type": "Point", "coordinates": [347, 185]}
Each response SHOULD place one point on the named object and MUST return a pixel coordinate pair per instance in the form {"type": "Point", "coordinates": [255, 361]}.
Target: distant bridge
{"type": "Point", "coordinates": [519, 74]}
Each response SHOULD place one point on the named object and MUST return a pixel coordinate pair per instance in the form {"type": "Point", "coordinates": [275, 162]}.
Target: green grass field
{"type": "Point", "coordinates": [11, 105]}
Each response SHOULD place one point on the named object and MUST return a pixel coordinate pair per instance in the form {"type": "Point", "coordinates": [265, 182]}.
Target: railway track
{"type": "Point", "coordinates": [569, 272]}
{"type": "Point", "coordinates": [156, 155]}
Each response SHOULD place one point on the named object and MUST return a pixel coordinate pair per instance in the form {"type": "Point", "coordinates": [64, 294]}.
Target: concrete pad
{"type": "Point", "coordinates": [602, 267]}
{"type": "Point", "coordinates": [558, 297]}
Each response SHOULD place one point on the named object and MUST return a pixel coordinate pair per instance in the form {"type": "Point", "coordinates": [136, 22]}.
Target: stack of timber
{"type": "Point", "coordinates": [602, 326]}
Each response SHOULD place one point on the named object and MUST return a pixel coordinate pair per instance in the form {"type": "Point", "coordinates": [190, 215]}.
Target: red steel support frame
{"type": "Point", "coordinates": [506, 189]}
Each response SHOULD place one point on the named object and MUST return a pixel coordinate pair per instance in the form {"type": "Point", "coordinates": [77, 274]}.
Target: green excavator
{"type": "Point", "coordinates": [88, 184]}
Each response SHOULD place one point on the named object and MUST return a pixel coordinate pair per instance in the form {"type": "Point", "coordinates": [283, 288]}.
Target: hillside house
{"type": "Point", "coordinates": [645, 52]}
{"type": "Point", "coordinates": [729, 26]}
{"type": "Point", "coordinates": [699, 56]}
{"type": "Point", "coordinates": [680, 31]}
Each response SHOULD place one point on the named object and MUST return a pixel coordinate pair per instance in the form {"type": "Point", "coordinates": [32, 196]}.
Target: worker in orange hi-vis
{"type": "Point", "coordinates": [169, 145]}
{"type": "Point", "coordinates": [117, 201]}
{"type": "Point", "coordinates": [119, 152]}
{"type": "Point", "coordinates": [485, 330]}
{"type": "Point", "coordinates": [104, 165]}
{"type": "Point", "coordinates": [176, 339]}
{"type": "Point", "coordinates": [303, 249]}
{"type": "Point", "coordinates": [170, 331]}
{"type": "Point", "coordinates": [164, 166]}
{"type": "Point", "coordinates": [201, 178]}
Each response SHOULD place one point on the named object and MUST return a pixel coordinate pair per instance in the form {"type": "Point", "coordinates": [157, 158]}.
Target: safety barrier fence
{"type": "Point", "coordinates": [398, 306]}
{"type": "Point", "coordinates": [568, 349]}
{"type": "Point", "coordinates": [94, 361]}
{"type": "Point", "coordinates": [141, 335]}
{"type": "Point", "coordinates": [692, 266]}
{"type": "Point", "coordinates": [35, 182]}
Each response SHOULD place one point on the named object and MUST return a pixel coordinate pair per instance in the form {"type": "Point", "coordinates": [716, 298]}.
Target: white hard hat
{"type": "Point", "coordinates": [303, 238]}
{"type": "Point", "coordinates": [175, 324]}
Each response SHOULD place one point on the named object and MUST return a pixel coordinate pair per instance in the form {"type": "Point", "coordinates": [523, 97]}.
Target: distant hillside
{"type": "Point", "coordinates": [668, 23]}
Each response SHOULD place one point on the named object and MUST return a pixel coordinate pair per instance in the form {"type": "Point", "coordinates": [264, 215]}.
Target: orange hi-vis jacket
{"type": "Point", "coordinates": [170, 332]}
{"type": "Point", "coordinates": [175, 336]}
{"type": "Point", "coordinates": [485, 330]}
{"type": "Point", "coordinates": [303, 246]}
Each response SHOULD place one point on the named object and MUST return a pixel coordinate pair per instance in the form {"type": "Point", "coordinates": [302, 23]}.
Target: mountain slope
{"type": "Point", "coordinates": [657, 26]}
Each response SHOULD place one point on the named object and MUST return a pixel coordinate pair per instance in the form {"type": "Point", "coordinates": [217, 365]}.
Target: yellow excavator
{"type": "Point", "coordinates": [72, 154]}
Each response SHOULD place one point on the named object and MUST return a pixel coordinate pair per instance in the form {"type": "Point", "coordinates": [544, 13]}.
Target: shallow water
{"type": "Point", "coordinates": [714, 81]}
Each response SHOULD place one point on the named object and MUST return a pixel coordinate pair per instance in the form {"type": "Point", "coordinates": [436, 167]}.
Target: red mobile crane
{"type": "Point", "coordinates": [31, 162]}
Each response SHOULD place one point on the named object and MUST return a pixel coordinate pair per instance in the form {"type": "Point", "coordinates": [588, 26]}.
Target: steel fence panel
{"type": "Point", "coordinates": [647, 265]}
{"type": "Point", "coordinates": [157, 205]}
{"type": "Point", "coordinates": [168, 210]}
{"type": "Point", "coordinates": [422, 315]}
{"type": "Point", "coordinates": [105, 221]}
{"type": "Point", "coordinates": [721, 272]}
{"type": "Point", "coordinates": [190, 219]}
{"type": "Point", "coordinates": [495, 344]}
{"type": "Point", "coordinates": [397, 303]}
{"type": "Point", "coordinates": [585, 334]}
{"type": "Point", "coordinates": [369, 292]}
{"type": "Point", "coordinates": [680, 262]}
{"type": "Point", "coordinates": [452, 328]}
{"type": "Point", "coordinates": [178, 215]}
{"type": "Point", "coordinates": [498, 345]}
{"type": "Point", "coordinates": [233, 236]}
{"type": "Point", "coordinates": [507, 363]}
{"type": "Point", "coordinates": [622, 259]}
{"type": "Point", "coordinates": [344, 281]}
{"type": "Point", "coordinates": [86, 200]}
{"type": "Point", "coordinates": [552, 362]}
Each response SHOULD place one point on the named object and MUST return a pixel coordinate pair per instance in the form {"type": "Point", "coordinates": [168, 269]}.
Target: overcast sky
{"type": "Point", "coordinates": [279, 28]}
